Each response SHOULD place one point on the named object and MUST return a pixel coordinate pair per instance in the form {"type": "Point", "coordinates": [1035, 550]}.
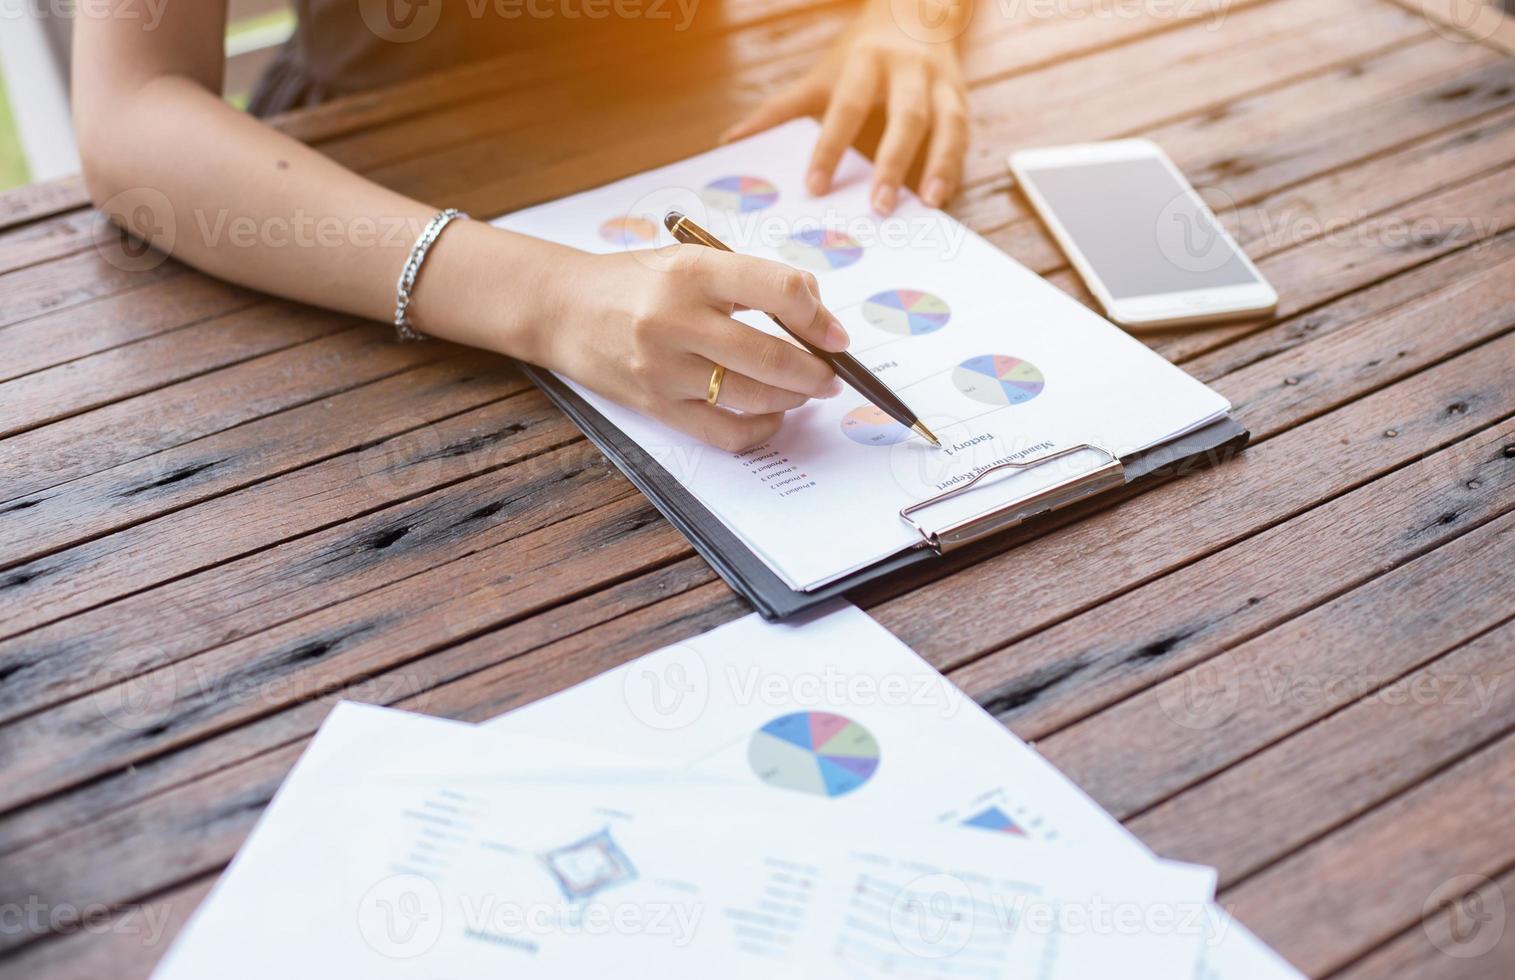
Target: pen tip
{"type": "Point", "coordinates": [927, 434]}
{"type": "Point", "coordinates": [671, 219]}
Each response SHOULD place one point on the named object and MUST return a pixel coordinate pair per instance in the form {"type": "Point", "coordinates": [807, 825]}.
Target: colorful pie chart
{"type": "Point", "coordinates": [821, 250]}
{"type": "Point", "coordinates": [869, 425]}
{"type": "Point", "coordinates": [908, 312]}
{"type": "Point", "coordinates": [739, 194]}
{"type": "Point", "coordinates": [998, 379]}
{"type": "Point", "coordinates": [814, 752]}
{"type": "Point", "coordinates": [629, 232]}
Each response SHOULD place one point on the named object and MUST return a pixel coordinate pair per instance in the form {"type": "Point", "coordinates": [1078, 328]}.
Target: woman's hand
{"type": "Point", "coordinates": [653, 327]}
{"type": "Point", "coordinates": [912, 70]}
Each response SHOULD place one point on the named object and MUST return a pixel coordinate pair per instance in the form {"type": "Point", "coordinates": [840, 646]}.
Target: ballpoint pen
{"type": "Point", "coordinates": [847, 367]}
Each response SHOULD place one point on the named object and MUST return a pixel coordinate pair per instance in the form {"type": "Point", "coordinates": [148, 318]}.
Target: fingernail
{"type": "Point", "coordinates": [834, 388]}
{"type": "Point", "coordinates": [883, 199]}
{"type": "Point", "coordinates": [817, 183]}
{"type": "Point", "coordinates": [936, 192]}
{"type": "Point", "coordinates": [836, 337]}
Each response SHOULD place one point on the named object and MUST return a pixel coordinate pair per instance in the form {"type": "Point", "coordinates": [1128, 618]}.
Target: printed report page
{"type": "Point", "coordinates": [1000, 364]}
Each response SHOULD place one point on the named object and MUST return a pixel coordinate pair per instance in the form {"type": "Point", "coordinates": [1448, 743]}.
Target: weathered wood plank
{"type": "Point", "coordinates": [1380, 300]}
{"type": "Point", "coordinates": [1055, 676]}
{"type": "Point", "coordinates": [134, 369]}
{"type": "Point", "coordinates": [1373, 251]}
{"type": "Point", "coordinates": [377, 629]}
{"type": "Point", "coordinates": [1272, 481]}
{"type": "Point", "coordinates": [71, 281]}
{"type": "Point", "coordinates": [436, 684]}
{"type": "Point", "coordinates": [47, 239]}
{"type": "Point", "coordinates": [505, 454]}
{"type": "Point", "coordinates": [1341, 897]}
{"type": "Point", "coordinates": [1286, 134]}
{"type": "Point", "coordinates": [125, 945]}
{"type": "Point", "coordinates": [39, 200]}
{"type": "Point", "coordinates": [1458, 942]}
{"type": "Point", "coordinates": [1387, 738]}
{"type": "Point", "coordinates": [78, 331]}
{"type": "Point", "coordinates": [360, 420]}
{"type": "Point", "coordinates": [127, 430]}
{"type": "Point", "coordinates": [1367, 632]}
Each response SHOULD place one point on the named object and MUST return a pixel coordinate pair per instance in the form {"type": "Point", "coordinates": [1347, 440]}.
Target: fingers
{"type": "Point", "coordinates": [855, 94]}
{"type": "Point", "coordinates": [743, 394]}
{"type": "Point", "coordinates": [793, 296]}
{"type": "Point", "coordinates": [763, 358]}
{"type": "Point", "coordinates": [798, 100]}
{"type": "Point", "coordinates": [948, 146]}
{"type": "Point", "coordinates": [909, 119]}
{"type": "Point", "coordinates": [720, 428]}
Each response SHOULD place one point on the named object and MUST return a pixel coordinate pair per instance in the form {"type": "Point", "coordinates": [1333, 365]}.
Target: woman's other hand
{"type": "Point", "coordinates": [902, 56]}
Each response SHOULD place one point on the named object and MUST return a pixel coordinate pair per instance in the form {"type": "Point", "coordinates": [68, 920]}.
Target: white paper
{"type": "Point", "coordinates": [406, 846]}
{"type": "Point", "coordinates": [942, 760]}
{"type": "Point", "coordinates": [1000, 364]}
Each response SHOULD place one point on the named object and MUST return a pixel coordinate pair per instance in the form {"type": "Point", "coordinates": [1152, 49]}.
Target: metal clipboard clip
{"type": "Point", "coordinates": [1106, 476]}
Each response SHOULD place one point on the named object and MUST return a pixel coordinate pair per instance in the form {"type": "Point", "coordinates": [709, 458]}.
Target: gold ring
{"type": "Point", "coordinates": [713, 391]}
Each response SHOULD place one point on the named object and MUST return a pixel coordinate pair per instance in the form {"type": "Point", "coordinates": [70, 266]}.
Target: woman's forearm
{"type": "Point", "coordinates": [251, 205]}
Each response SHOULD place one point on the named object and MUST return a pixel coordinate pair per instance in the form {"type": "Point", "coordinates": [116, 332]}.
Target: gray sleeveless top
{"type": "Point", "coordinates": [345, 46]}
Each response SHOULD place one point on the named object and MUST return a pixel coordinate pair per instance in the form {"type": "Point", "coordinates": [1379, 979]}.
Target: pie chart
{"type": "Point", "coordinates": [869, 425]}
{"type": "Point", "coordinates": [628, 232]}
{"type": "Point", "coordinates": [814, 752]}
{"type": "Point", "coordinates": [820, 249]}
{"type": "Point", "coordinates": [907, 312]}
{"type": "Point", "coordinates": [739, 194]}
{"type": "Point", "coordinates": [998, 379]}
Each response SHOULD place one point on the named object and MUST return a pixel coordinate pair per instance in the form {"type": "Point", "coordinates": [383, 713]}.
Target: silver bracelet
{"type": "Point", "coordinates": [413, 268]}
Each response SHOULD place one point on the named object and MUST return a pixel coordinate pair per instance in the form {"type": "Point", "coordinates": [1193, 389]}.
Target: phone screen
{"type": "Point", "coordinates": [1139, 228]}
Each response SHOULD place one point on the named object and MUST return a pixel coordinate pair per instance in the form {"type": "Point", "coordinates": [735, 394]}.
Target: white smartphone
{"type": "Point", "coordinates": [1147, 245]}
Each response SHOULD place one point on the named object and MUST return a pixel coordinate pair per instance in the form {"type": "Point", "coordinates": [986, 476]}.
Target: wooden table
{"type": "Point", "coordinates": [220, 512]}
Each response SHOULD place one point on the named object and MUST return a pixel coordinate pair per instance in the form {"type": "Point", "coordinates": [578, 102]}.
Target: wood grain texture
{"type": "Point", "coordinates": [219, 514]}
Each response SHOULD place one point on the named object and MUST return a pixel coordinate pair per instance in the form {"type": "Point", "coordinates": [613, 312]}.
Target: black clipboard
{"type": "Point", "coordinates": [746, 573]}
